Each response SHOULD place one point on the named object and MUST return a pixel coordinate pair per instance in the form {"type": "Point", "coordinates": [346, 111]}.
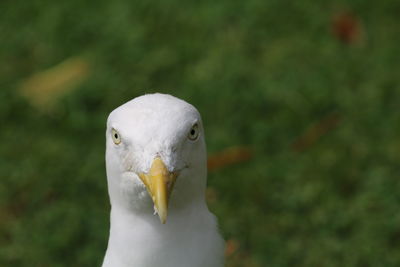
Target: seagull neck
{"type": "Point", "coordinates": [131, 233]}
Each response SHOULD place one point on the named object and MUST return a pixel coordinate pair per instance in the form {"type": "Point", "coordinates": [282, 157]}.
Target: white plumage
{"type": "Point", "coordinates": [156, 163]}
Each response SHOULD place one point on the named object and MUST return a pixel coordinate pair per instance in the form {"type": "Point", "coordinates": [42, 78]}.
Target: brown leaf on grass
{"type": "Point", "coordinates": [44, 88]}
{"type": "Point", "coordinates": [229, 156]}
{"type": "Point", "coordinates": [235, 256]}
{"type": "Point", "coordinates": [316, 131]}
{"type": "Point", "coordinates": [347, 28]}
{"type": "Point", "coordinates": [231, 246]}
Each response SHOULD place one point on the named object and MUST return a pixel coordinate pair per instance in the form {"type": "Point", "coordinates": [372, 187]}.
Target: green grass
{"type": "Point", "coordinates": [260, 72]}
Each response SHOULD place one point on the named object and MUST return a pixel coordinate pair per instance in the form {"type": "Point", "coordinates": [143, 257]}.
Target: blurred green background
{"type": "Point", "coordinates": [309, 90]}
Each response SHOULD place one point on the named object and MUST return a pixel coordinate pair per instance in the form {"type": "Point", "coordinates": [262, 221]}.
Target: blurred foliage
{"type": "Point", "coordinates": [264, 74]}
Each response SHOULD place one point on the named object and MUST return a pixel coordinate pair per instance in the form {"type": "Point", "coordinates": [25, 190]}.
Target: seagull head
{"type": "Point", "coordinates": [155, 155]}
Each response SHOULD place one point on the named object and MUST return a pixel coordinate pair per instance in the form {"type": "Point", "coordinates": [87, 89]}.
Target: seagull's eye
{"type": "Point", "coordinates": [194, 132]}
{"type": "Point", "coordinates": [115, 136]}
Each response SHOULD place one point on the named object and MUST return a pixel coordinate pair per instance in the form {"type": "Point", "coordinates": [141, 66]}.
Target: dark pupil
{"type": "Point", "coordinates": [192, 132]}
{"type": "Point", "coordinates": [116, 136]}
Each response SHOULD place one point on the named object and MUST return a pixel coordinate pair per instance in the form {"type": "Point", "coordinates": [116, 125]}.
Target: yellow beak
{"type": "Point", "coordinates": [159, 183]}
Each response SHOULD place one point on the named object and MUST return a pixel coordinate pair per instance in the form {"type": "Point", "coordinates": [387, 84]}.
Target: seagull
{"type": "Point", "coordinates": [156, 174]}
